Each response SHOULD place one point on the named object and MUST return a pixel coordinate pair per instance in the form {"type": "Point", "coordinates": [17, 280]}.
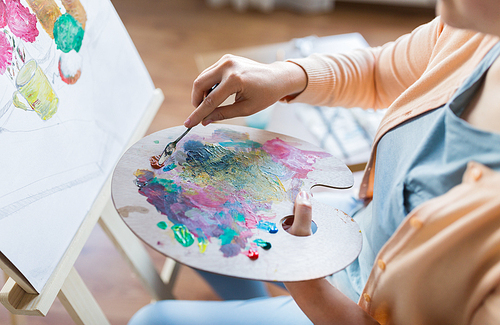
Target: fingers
{"type": "Point", "coordinates": [256, 86]}
{"type": "Point", "coordinates": [302, 215]}
{"type": "Point", "coordinates": [208, 110]}
{"type": "Point", "coordinates": [202, 85]}
{"type": "Point", "coordinates": [200, 97]}
{"type": "Point", "coordinates": [227, 112]}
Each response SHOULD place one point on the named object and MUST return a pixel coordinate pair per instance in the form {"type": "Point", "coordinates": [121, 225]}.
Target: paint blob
{"type": "Point", "coordinates": [262, 243]}
{"type": "Point", "coordinates": [75, 9]}
{"type": "Point", "coordinates": [162, 225]}
{"type": "Point", "coordinates": [182, 235]}
{"type": "Point", "coordinates": [47, 13]}
{"type": "Point", "coordinates": [22, 23]}
{"type": "Point", "coordinates": [220, 189]}
{"type": "Point", "coordinates": [154, 161]}
{"type": "Point", "coordinates": [202, 244]}
{"type": "Point", "coordinates": [70, 67]}
{"type": "Point", "coordinates": [268, 226]}
{"type": "Point", "coordinates": [68, 33]}
{"type": "Point", "coordinates": [252, 254]}
{"type": "Point", "coordinates": [5, 53]}
{"type": "Point", "coordinates": [169, 167]}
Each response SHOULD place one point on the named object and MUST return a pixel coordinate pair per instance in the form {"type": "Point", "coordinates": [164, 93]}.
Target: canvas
{"type": "Point", "coordinates": [72, 90]}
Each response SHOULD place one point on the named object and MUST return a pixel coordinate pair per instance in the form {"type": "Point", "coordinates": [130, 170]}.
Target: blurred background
{"type": "Point", "coordinates": [177, 38]}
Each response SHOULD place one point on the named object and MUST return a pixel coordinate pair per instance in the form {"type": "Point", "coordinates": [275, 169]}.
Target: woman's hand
{"type": "Point", "coordinates": [255, 85]}
{"type": "Point", "coordinates": [318, 299]}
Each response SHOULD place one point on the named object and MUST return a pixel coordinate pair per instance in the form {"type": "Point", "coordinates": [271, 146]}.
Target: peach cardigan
{"type": "Point", "coordinates": [442, 265]}
{"type": "Point", "coordinates": [416, 73]}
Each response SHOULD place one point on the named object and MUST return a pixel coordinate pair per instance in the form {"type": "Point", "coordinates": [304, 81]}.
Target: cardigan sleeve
{"type": "Point", "coordinates": [372, 77]}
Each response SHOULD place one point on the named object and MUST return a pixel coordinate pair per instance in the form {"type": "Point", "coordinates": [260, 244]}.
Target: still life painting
{"type": "Point", "coordinates": [73, 89]}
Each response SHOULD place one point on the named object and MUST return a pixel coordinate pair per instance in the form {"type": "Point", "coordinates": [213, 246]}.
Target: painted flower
{"type": "Point", "coordinates": [5, 53]}
{"type": "Point", "coordinates": [3, 14]}
{"type": "Point", "coordinates": [21, 21]}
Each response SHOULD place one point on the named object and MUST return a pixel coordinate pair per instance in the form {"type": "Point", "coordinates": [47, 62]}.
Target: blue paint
{"type": "Point", "coordinates": [246, 144]}
{"type": "Point", "coordinates": [210, 158]}
{"type": "Point", "coordinates": [169, 167]}
{"type": "Point", "coordinates": [269, 226]}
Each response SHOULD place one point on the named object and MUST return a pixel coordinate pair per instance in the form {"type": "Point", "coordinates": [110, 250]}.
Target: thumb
{"type": "Point", "coordinates": [302, 215]}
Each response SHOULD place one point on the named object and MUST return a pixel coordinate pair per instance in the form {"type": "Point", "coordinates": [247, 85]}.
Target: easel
{"type": "Point", "coordinates": [18, 296]}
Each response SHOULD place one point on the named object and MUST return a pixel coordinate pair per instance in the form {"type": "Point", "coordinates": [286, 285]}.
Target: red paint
{"type": "Point", "coordinates": [252, 254]}
{"type": "Point", "coordinates": [70, 80]}
{"type": "Point", "coordinates": [154, 161]}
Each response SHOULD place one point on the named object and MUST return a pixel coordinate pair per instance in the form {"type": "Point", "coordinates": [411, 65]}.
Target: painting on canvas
{"type": "Point", "coordinates": [72, 90]}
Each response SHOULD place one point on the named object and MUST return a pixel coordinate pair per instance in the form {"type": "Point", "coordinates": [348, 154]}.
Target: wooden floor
{"type": "Point", "coordinates": [168, 34]}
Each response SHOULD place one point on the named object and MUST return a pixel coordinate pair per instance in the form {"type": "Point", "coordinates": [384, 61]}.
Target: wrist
{"type": "Point", "coordinates": [293, 77]}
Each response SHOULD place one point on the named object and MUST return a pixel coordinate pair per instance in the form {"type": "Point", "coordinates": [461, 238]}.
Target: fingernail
{"type": "Point", "coordinates": [304, 196]}
{"type": "Point", "coordinates": [186, 122]}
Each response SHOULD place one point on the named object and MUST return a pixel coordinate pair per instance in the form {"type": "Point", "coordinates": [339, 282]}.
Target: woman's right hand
{"type": "Point", "coordinates": [255, 85]}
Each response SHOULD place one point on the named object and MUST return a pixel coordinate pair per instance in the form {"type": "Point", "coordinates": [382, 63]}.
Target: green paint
{"type": "Point", "coordinates": [262, 243]}
{"type": "Point", "coordinates": [182, 235]}
{"type": "Point", "coordinates": [68, 33]}
{"type": "Point", "coordinates": [227, 236]}
{"type": "Point", "coordinates": [162, 225]}
{"type": "Point", "coordinates": [237, 216]}
{"type": "Point", "coordinates": [170, 186]}
{"type": "Point", "coordinates": [156, 141]}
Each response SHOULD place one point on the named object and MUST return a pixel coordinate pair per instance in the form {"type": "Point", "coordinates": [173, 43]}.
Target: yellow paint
{"type": "Point", "coordinates": [281, 184]}
{"type": "Point", "coordinates": [46, 12]}
{"type": "Point", "coordinates": [202, 245]}
{"type": "Point", "coordinates": [33, 85]}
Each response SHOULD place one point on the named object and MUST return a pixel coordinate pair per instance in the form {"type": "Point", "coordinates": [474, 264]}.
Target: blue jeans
{"type": "Point", "coordinates": [277, 310]}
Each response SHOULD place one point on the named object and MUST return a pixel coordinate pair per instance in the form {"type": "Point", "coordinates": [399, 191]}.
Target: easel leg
{"type": "Point", "coordinates": [14, 319]}
{"type": "Point", "coordinates": [136, 255]}
{"type": "Point", "coordinates": [169, 272]}
{"type": "Point", "coordinates": [79, 302]}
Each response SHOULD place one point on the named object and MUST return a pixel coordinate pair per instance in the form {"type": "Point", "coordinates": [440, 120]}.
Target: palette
{"type": "Point", "coordinates": [219, 202]}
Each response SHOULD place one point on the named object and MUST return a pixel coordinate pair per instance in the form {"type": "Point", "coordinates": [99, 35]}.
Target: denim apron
{"type": "Point", "coordinates": [416, 161]}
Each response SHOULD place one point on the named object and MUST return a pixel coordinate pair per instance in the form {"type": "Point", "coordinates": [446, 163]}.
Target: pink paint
{"type": "Point", "coordinates": [22, 23]}
{"type": "Point", "coordinates": [209, 197]}
{"type": "Point", "coordinates": [3, 14]}
{"type": "Point", "coordinates": [226, 190]}
{"type": "Point", "coordinates": [251, 219]}
{"type": "Point", "coordinates": [5, 53]}
{"type": "Point", "coordinates": [297, 160]}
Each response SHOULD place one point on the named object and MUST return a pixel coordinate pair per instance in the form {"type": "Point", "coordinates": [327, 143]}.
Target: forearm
{"type": "Point", "coordinates": [324, 304]}
{"type": "Point", "coordinates": [371, 77]}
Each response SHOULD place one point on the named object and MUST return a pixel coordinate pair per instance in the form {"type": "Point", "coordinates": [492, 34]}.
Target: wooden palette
{"type": "Point", "coordinates": [219, 202]}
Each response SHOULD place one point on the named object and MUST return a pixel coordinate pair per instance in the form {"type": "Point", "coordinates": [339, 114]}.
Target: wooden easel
{"type": "Point", "coordinates": [18, 296]}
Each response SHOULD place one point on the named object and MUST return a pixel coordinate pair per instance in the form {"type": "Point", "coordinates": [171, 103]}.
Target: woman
{"type": "Point", "coordinates": [431, 224]}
